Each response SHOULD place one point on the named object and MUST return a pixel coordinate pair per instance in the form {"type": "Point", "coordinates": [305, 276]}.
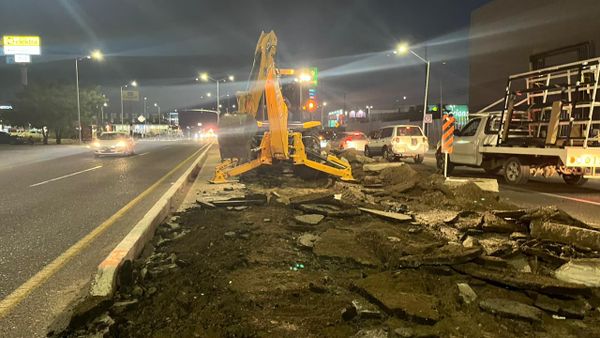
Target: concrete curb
{"type": "Point", "coordinates": [104, 282]}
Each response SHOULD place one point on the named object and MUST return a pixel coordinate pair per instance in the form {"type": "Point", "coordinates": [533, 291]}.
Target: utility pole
{"type": "Point", "coordinates": [78, 104]}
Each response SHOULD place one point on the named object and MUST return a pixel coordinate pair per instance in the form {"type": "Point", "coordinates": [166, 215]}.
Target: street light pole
{"type": "Point", "coordinates": [78, 103]}
{"type": "Point", "coordinates": [121, 104]}
{"type": "Point", "coordinates": [403, 49]}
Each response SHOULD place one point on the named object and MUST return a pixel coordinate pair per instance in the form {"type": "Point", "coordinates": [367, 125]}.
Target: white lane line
{"type": "Point", "coordinates": [142, 154]}
{"type": "Point", "coordinates": [570, 198]}
{"type": "Point", "coordinates": [556, 196]}
{"type": "Point", "coordinates": [65, 176]}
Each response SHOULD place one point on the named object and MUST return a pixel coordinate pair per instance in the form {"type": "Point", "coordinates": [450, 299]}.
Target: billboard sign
{"type": "Point", "coordinates": [21, 45]}
{"type": "Point", "coordinates": [131, 95]}
{"type": "Point", "coordinates": [11, 59]}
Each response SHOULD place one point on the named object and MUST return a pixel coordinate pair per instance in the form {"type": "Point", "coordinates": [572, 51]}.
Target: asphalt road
{"type": "Point", "coordinates": [582, 202]}
{"type": "Point", "coordinates": [48, 205]}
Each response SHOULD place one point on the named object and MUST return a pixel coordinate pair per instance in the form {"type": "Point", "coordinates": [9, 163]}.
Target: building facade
{"type": "Point", "coordinates": [514, 36]}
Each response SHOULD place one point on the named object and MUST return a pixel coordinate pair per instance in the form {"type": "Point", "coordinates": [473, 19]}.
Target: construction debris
{"type": "Point", "coordinates": [388, 215]}
{"type": "Point", "coordinates": [400, 254]}
{"type": "Point", "coordinates": [580, 271]}
{"type": "Point", "coordinates": [511, 309]}
{"type": "Point", "coordinates": [566, 234]}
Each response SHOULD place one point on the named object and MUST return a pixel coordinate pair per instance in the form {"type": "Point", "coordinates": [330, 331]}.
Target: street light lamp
{"type": "Point", "coordinates": [402, 49]}
{"type": "Point", "coordinates": [94, 55]}
{"type": "Point", "coordinates": [323, 105]}
{"type": "Point", "coordinates": [205, 77]}
{"type": "Point", "coordinates": [158, 110]}
{"type": "Point", "coordinates": [133, 84]}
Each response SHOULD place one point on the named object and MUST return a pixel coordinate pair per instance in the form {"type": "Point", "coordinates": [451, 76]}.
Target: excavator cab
{"type": "Point", "coordinates": [243, 147]}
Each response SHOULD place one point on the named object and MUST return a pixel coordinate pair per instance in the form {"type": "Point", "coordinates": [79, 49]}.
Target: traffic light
{"type": "Point", "coordinates": [311, 105]}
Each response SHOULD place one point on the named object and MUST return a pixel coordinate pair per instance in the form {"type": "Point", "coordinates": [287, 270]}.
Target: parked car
{"type": "Point", "coordinates": [395, 142]}
{"type": "Point", "coordinates": [349, 140]}
{"type": "Point", "coordinates": [27, 136]}
{"type": "Point", "coordinates": [6, 138]}
{"type": "Point", "coordinates": [113, 143]}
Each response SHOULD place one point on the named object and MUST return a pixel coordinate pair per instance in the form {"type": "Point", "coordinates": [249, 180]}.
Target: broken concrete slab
{"type": "Point", "coordinates": [394, 216]}
{"type": "Point", "coordinates": [307, 240]}
{"type": "Point", "coordinates": [310, 219]}
{"type": "Point", "coordinates": [496, 244]}
{"type": "Point", "coordinates": [315, 197]}
{"type": "Point", "coordinates": [493, 223]}
{"type": "Point", "coordinates": [580, 271]}
{"type": "Point", "coordinates": [511, 309]}
{"type": "Point", "coordinates": [466, 293]}
{"type": "Point", "coordinates": [470, 242]}
{"type": "Point", "coordinates": [520, 280]}
{"type": "Point", "coordinates": [383, 289]}
{"type": "Point", "coordinates": [485, 184]}
{"type": "Point", "coordinates": [575, 308]}
{"type": "Point", "coordinates": [335, 243]}
{"type": "Point", "coordinates": [447, 255]}
{"type": "Point", "coordinates": [520, 264]}
{"type": "Point", "coordinates": [566, 234]}
{"type": "Point", "coordinates": [254, 199]}
{"type": "Point", "coordinates": [380, 166]}
{"type": "Point", "coordinates": [366, 310]}
{"type": "Point", "coordinates": [436, 217]}
{"type": "Point", "coordinates": [328, 210]}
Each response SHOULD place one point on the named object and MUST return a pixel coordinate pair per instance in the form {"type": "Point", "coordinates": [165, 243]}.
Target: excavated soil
{"type": "Point", "coordinates": [254, 271]}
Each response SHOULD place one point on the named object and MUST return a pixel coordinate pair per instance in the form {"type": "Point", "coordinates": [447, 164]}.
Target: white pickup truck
{"type": "Point", "coordinates": [475, 145]}
{"type": "Point", "coordinates": [548, 124]}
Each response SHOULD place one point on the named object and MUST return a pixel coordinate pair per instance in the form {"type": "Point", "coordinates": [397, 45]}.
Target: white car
{"type": "Point", "coordinates": [349, 140]}
{"type": "Point", "coordinates": [395, 142]}
{"type": "Point", "coordinates": [113, 143]}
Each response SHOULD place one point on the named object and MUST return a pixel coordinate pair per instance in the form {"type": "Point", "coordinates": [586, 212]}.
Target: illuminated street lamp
{"type": "Point", "coordinates": [205, 77]}
{"type": "Point", "coordinates": [94, 55]}
{"type": "Point", "coordinates": [133, 84]}
{"type": "Point", "coordinates": [403, 49]}
{"type": "Point", "coordinates": [158, 110]}
{"type": "Point", "coordinates": [323, 105]}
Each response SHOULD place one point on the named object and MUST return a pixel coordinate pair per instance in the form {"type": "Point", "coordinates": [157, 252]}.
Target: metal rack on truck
{"type": "Point", "coordinates": [549, 124]}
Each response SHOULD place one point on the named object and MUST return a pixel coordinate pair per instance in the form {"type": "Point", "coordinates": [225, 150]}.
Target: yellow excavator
{"type": "Point", "coordinates": [238, 132]}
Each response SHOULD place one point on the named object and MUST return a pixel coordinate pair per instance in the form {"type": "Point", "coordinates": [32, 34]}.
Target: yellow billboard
{"type": "Point", "coordinates": [21, 45]}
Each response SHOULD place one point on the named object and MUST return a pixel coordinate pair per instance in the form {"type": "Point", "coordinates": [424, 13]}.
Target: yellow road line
{"type": "Point", "coordinates": [18, 295]}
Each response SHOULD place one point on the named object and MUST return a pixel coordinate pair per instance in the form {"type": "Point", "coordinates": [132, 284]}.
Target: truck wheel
{"type": "Point", "coordinates": [419, 159]}
{"type": "Point", "coordinates": [515, 172]}
{"type": "Point", "coordinates": [574, 179]}
{"type": "Point", "coordinates": [439, 161]}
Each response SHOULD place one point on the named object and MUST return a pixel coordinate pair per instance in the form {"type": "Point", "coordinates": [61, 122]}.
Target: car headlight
{"type": "Point", "coordinates": [120, 144]}
{"type": "Point", "coordinates": [96, 144]}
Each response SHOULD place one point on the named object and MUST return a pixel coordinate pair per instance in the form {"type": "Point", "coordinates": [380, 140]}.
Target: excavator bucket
{"type": "Point", "coordinates": [236, 134]}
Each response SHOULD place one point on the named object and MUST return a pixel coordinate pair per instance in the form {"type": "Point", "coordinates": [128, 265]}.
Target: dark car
{"type": "Point", "coordinates": [6, 138]}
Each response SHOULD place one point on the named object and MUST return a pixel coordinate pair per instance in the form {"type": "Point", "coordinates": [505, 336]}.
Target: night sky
{"type": "Point", "coordinates": [164, 44]}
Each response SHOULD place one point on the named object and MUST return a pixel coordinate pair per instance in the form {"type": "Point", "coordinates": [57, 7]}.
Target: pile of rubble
{"type": "Point", "coordinates": [399, 254]}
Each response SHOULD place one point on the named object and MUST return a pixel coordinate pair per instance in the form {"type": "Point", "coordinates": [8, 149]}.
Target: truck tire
{"type": "Point", "coordinates": [574, 179]}
{"type": "Point", "coordinates": [515, 172]}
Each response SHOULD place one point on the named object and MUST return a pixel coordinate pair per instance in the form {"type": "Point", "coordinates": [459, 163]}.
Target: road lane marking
{"type": "Point", "coordinates": [142, 154]}
{"type": "Point", "coordinates": [555, 196]}
{"type": "Point", "coordinates": [19, 294]}
{"type": "Point", "coordinates": [570, 198]}
{"type": "Point", "coordinates": [66, 176]}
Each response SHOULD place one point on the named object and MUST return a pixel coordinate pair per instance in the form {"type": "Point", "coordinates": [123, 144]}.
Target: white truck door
{"type": "Point", "coordinates": [466, 143]}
